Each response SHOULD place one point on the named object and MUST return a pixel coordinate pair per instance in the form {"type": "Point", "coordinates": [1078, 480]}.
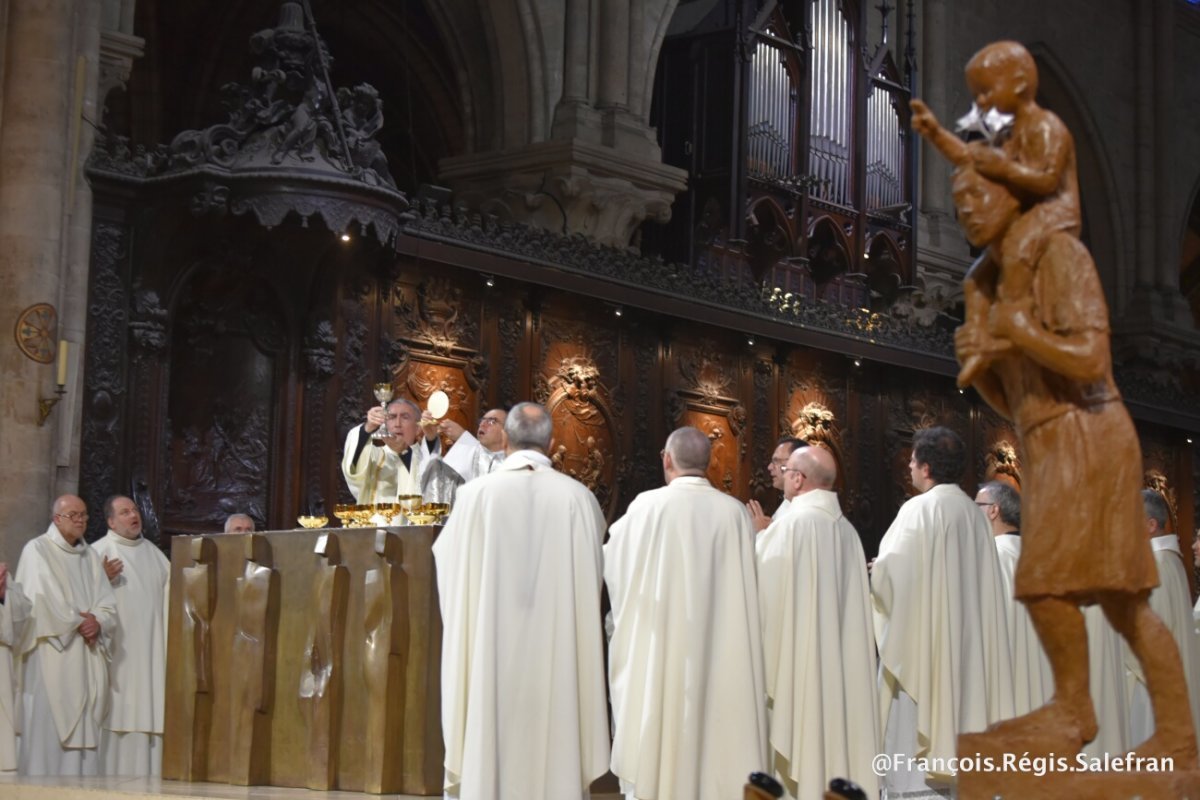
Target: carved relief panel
{"type": "Point", "coordinates": [705, 399]}
{"type": "Point", "coordinates": [574, 382]}
{"type": "Point", "coordinates": [229, 338]}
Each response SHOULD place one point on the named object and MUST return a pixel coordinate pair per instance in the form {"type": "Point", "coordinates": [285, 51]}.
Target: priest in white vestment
{"type": "Point", "coordinates": [938, 598]}
{"type": "Point", "coordinates": [685, 658]}
{"type": "Point", "coordinates": [519, 577]}
{"type": "Point", "coordinates": [1033, 682]}
{"type": "Point", "coordinates": [14, 614]}
{"type": "Point", "coordinates": [1171, 600]}
{"type": "Point", "coordinates": [473, 456]}
{"type": "Point", "coordinates": [65, 650]}
{"type": "Point", "coordinates": [817, 636]}
{"type": "Point", "coordinates": [131, 739]}
{"type": "Point", "coordinates": [385, 456]}
{"type": "Point", "coordinates": [783, 451]}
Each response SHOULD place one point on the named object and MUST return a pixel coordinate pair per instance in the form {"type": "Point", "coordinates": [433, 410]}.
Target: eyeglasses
{"type": "Point", "coordinates": [981, 505]}
{"type": "Point", "coordinates": [489, 421]}
{"type": "Point", "coordinates": [779, 462]}
{"type": "Point", "coordinates": [74, 516]}
{"type": "Point", "coordinates": [793, 469]}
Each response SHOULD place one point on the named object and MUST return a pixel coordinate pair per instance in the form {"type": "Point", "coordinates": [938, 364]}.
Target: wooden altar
{"type": "Point", "coordinates": [305, 659]}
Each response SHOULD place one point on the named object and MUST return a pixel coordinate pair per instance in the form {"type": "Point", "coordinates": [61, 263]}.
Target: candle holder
{"type": "Point", "coordinates": [47, 404]}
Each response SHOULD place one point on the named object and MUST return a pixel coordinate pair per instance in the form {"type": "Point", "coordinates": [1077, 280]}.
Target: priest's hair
{"type": "Point", "coordinates": [529, 427]}
{"type": "Point", "coordinates": [943, 450]}
{"type": "Point", "coordinates": [690, 449]}
{"type": "Point", "coordinates": [404, 401]}
{"type": "Point", "coordinates": [1007, 500]}
{"type": "Point", "coordinates": [1156, 508]}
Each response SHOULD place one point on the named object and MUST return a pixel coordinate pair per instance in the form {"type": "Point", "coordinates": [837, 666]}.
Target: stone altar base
{"type": "Point", "coordinates": [1065, 776]}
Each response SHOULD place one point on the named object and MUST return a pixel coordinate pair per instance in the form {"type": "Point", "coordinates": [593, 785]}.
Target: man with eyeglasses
{"type": "Point", "coordinates": [66, 653]}
{"type": "Point", "coordinates": [1033, 683]}
{"type": "Point", "coordinates": [386, 455]}
{"type": "Point", "coordinates": [779, 458]}
{"type": "Point", "coordinates": [131, 739]}
{"type": "Point", "coordinates": [14, 616]}
{"type": "Point", "coordinates": [685, 658]}
{"type": "Point", "coordinates": [815, 610]}
{"type": "Point", "coordinates": [472, 456]}
{"type": "Point", "coordinates": [938, 599]}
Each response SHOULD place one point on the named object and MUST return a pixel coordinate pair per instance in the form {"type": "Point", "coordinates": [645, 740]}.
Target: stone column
{"type": "Point", "coordinates": [600, 171]}
{"type": "Point", "coordinates": [36, 145]}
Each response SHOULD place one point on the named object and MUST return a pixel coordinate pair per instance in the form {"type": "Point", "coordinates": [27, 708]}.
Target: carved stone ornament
{"type": "Point", "coordinates": [290, 144]}
{"type": "Point", "coordinates": [36, 330]}
{"type": "Point", "coordinates": [147, 324]}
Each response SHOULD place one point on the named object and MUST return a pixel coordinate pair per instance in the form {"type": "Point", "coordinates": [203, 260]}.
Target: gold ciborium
{"type": "Point", "coordinates": [384, 394]}
{"type": "Point", "coordinates": [307, 521]}
{"type": "Point", "coordinates": [438, 510]}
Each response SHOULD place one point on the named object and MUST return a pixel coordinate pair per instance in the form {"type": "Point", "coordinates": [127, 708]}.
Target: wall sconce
{"type": "Point", "coordinates": [46, 405]}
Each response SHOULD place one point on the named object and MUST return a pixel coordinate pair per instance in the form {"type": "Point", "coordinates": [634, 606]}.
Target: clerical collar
{"type": "Point", "coordinates": [1166, 542]}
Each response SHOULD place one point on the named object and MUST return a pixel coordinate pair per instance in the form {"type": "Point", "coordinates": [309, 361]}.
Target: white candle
{"type": "Point", "coordinates": [62, 362]}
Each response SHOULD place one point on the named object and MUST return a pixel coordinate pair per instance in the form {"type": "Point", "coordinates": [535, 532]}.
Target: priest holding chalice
{"type": "Point", "coordinates": [385, 456]}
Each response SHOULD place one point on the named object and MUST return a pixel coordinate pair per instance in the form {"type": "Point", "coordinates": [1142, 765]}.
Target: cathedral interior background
{"type": "Point", "coordinates": [642, 213]}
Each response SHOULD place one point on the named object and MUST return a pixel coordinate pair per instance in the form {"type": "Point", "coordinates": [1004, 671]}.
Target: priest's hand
{"type": "Point", "coordinates": [451, 428]}
{"type": "Point", "coordinates": [113, 567]}
{"type": "Point", "coordinates": [89, 629]}
{"type": "Point", "coordinates": [429, 425]}
{"type": "Point", "coordinates": [761, 520]}
{"type": "Point", "coordinates": [3, 579]}
{"type": "Point", "coordinates": [376, 416]}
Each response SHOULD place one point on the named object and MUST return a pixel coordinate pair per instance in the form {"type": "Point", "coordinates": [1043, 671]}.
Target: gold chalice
{"type": "Point", "coordinates": [312, 521]}
{"type": "Point", "coordinates": [344, 513]}
{"type": "Point", "coordinates": [384, 394]}
{"type": "Point", "coordinates": [420, 518]}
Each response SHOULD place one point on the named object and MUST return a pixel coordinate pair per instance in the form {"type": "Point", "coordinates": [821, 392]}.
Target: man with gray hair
{"type": "Point", "coordinates": [1171, 600]}
{"type": "Point", "coordinates": [239, 523]}
{"type": "Point", "coordinates": [518, 571]}
{"type": "Point", "coordinates": [1033, 682]}
{"type": "Point", "coordinates": [685, 658]}
{"type": "Point", "coordinates": [386, 455]}
{"type": "Point", "coordinates": [818, 645]}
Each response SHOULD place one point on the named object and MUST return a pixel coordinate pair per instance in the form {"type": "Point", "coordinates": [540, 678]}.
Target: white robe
{"type": "Point", "coordinates": [938, 599]}
{"type": "Point", "coordinates": [65, 680]}
{"type": "Point", "coordinates": [784, 504]}
{"type": "Point", "coordinates": [1106, 683]}
{"type": "Point", "coordinates": [14, 615]}
{"type": "Point", "coordinates": [820, 654]}
{"type": "Point", "coordinates": [519, 571]}
{"type": "Point", "coordinates": [685, 660]}
{"type": "Point", "coordinates": [1033, 680]}
{"type": "Point", "coordinates": [470, 459]}
{"type": "Point", "coordinates": [132, 738]}
{"type": "Point", "coordinates": [391, 477]}
{"type": "Point", "coordinates": [1172, 601]}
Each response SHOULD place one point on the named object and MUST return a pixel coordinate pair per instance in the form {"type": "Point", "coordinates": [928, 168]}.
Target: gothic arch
{"type": "Point", "coordinates": [1189, 254]}
{"type": "Point", "coordinates": [1104, 217]}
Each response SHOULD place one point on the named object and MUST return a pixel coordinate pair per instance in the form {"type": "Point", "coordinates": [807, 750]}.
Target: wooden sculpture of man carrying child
{"type": "Point", "coordinates": [1035, 344]}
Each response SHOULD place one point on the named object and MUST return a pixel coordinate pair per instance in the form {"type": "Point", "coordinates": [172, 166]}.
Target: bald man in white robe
{"type": "Point", "coordinates": [817, 636]}
{"type": "Point", "coordinates": [519, 578]}
{"type": "Point", "coordinates": [685, 658]}
{"type": "Point", "coordinates": [1033, 682]}
{"type": "Point", "coordinates": [1171, 600]}
{"type": "Point", "coordinates": [938, 597]}
{"type": "Point", "coordinates": [66, 647]}
{"type": "Point", "coordinates": [14, 614]}
{"type": "Point", "coordinates": [131, 739]}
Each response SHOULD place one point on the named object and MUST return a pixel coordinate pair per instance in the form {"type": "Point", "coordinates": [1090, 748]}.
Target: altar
{"type": "Point", "coordinates": [305, 659]}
